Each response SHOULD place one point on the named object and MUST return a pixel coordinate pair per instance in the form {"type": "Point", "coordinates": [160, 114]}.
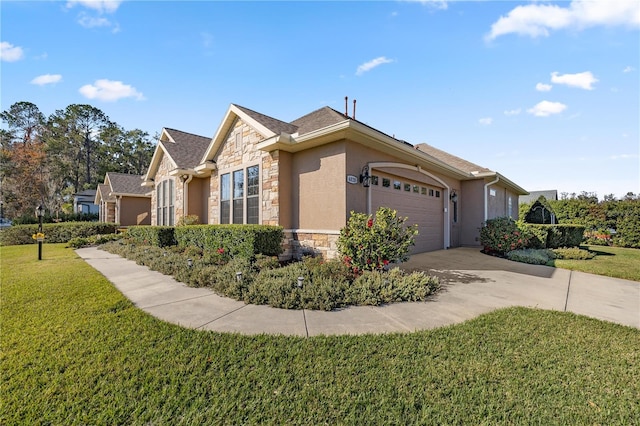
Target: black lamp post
{"type": "Point", "coordinates": [39, 214]}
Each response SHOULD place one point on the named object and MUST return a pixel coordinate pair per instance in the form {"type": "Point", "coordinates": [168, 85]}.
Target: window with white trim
{"type": "Point", "coordinates": [165, 203]}
{"type": "Point", "coordinates": [240, 196]}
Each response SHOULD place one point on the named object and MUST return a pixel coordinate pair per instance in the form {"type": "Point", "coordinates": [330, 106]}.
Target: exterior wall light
{"type": "Point", "coordinates": [365, 177]}
{"type": "Point", "coordinates": [454, 196]}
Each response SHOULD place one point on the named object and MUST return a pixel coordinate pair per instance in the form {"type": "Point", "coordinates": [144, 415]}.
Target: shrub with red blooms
{"type": "Point", "coordinates": [502, 235]}
{"type": "Point", "coordinates": [368, 243]}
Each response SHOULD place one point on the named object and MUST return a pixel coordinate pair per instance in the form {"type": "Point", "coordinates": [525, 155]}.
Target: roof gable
{"type": "Point", "coordinates": [183, 149]}
{"type": "Point", "coordinates": [124, 184]}
{"type": "Point", "coordinates": [318, 119]}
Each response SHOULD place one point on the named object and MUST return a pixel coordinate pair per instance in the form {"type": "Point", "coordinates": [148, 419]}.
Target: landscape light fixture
{"type": "Point", "coordinates": [239, 276]}
{"type": "Point", "coordinates": [189, 262]}
{"type": "Point", "coordinates": [365, 177]}
{"type": "Point", "coordinates": [300, 281]}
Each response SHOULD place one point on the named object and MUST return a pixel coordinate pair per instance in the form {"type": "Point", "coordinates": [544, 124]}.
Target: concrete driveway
{"type": "Point", "coordinates": [472, 284]}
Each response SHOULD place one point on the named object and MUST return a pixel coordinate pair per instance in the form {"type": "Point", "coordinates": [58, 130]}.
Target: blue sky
{"type": "Point", "coordinates": [546, 93]}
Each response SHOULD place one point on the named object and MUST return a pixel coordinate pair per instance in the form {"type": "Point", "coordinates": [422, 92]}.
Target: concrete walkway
{"type": "Point", "coordinates": [472, 284]}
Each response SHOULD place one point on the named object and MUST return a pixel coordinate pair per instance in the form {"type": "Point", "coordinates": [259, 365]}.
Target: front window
{"type": "Point", "coordinates": [165, 195]}
{"type": "Point", "coordinates": [240, 196]}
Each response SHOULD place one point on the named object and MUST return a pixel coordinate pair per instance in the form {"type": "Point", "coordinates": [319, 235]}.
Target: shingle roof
{"type": "Point", "coordinates": [318, 119]}
{"type": "Point", "coordinates": [450, 159]}
{"type": "Point", "coordinates": [188, 149]}
{"type": "Point", "coordinates": [122, 183]}
{"type": "Point", "coordinates": [104, 190]}
{"type": "Point", "coordinates": [273, 124]}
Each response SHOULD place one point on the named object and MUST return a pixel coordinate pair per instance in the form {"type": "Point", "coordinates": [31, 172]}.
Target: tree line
{"type": "Point", "coordinates": [608, 222]}
{"type": "Point", "coordinates": [45, 160]}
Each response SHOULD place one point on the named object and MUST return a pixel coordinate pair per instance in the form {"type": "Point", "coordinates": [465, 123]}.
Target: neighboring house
{"type": "Point", "coordinates": [83, 202]}
{"type": "Point", "coordinates": [550, 194]}
{"type": "Point", "coordinates": [309, 174]}
{"type": "Point", "coordinates": [122, 200]}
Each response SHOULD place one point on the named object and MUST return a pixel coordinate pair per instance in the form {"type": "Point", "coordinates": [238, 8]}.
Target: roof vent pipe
{"type": "Point", "coordinates": [346, 106]}
{"type": "Point", "coordinates": [354, 109]}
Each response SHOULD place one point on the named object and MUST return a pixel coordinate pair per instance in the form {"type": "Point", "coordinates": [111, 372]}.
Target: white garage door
{"type": "Point", "coordinates": [420, 203]}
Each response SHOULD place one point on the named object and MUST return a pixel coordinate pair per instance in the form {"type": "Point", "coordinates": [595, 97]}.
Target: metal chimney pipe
{"type": "Point", "coordinates": [354, 109]}
{"type": "Point", "coordinates": [346, 106]}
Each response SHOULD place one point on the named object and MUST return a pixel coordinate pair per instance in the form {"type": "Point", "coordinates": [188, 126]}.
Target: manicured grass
{"type": "Point", "coordinates": [75, 351]}
{"type": "Point", "coordinates": [614, 262]}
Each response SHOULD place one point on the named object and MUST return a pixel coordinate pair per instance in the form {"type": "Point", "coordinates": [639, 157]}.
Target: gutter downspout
{"type": "Point", "coordinates": [486, 197]}
{"type": "Point", "coordinates": [185, 196]}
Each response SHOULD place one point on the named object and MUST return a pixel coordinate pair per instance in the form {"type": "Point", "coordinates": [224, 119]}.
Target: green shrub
{"type": "Point", "coordinates": [597, 238]}
{"type": "Point", "coordinates": [278, 287]}
{"type": "Point", "coordinates": [323, 293]}
{"type": "Point", "coordinates": [236, 240]}
{"type": "Point", "coordinates": [158, 236]}
{"type": "Point", "coordinates": [531, 256]}
{"type": "Point", "coordinates": [501, 235]}
{"type": "Point", "coordinates": [188, 220]}
{"type": "Point", "coordinates": [564, 236]}
{"type": "Point", "coordinates": [54, 232]}
{"type": "Point", "coordinates": [628, 225]}
{"type": "Point", "coordinates": [326, 284]}
{"type": "Point", "coordinates": [574, 253]}
{"type": "Point", "coordinates": [93, 240]}
{"type": "Point", "coordinates": [369, 243]}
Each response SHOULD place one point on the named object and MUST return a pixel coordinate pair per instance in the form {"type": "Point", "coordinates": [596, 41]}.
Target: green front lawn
{"type": "Point", "coordinates": [614, 262]}
{"type": "Point", "coordinates": [75, 351]}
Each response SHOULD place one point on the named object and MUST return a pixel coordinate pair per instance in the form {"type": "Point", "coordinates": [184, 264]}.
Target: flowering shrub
{"type": "Point", "coordinates": [501, 235]}
{"type": "Point", "coordinates": [368, 243]}
{"type": "Point", "coordinates": [598, 238]}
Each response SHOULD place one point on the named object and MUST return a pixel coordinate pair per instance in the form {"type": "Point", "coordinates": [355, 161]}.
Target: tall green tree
{"type": "Point", "coordinates": [125, 151]}
{"type": "Point", "coordinates": [73, 141]}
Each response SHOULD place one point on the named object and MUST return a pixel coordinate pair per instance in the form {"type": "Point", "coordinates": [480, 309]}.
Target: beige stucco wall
{"type": "Point", "coordinates": [471, 207]}
{"type": "Point", "coordinates": [318, 188]}
{"type": "Point", "coordinates": [135, 211]}
{"type": "Point", "coordinates": [198, 199]}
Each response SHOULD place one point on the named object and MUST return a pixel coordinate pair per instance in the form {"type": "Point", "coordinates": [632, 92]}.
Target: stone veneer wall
{"type": "Point", "coordinates": [298, 243]}
{"type": "Point", "coordinates": [231, 158]}
{"type": "Point", "coordinates": [166, 165]}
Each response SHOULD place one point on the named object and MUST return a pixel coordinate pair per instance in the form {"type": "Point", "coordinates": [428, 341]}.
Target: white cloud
{"type": "Point", "coordinates": [547, 108]}
{"type": "Point", "coordinates": [486, 121]}
{"type": "Point", "coordinates": [541, 87]}
{"type": "Point", "coordinates": [368, 66]}
{"type": "Point", "coordinates": [628, 69]}
{"type": "Point", "coordinates": [436, 4]}
{"type": "Point", "coordinates": [102, 6]}
{"type": "Point", "coordinates": [92, 22]}
{"type": "Point", "coordinates": [513, 112]}
{"type": "Point", "coordinates": [109, 90]}
{"type": "Point", "coordinates": [42, 80]}
{"type": "Point", "coordinates": [623, 157]}
{"type": "Point", "coordinates": [582, 80]}
{"type": "Point", "coordinates": [536, 20]}
{"type": "Point", "coordinates": [10, 53]}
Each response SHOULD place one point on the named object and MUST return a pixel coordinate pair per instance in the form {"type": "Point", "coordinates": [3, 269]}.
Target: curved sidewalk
{"type": "Point", "coordinates": [472, 284]}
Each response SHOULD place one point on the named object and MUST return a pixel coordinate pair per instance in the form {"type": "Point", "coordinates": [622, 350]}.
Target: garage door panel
{"type": "Point", "coordinates": [423, 210]}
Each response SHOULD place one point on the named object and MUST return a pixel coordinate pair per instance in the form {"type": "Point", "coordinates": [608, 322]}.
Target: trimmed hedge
{"type": "Point", "coordinates": [157, 236]}
{"type": "Point", "coordinates": [236, 240]}
{"type": "Point", "coordinates": [554, 236]}
{"type": "Point", "coordinates": [54, 232]}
